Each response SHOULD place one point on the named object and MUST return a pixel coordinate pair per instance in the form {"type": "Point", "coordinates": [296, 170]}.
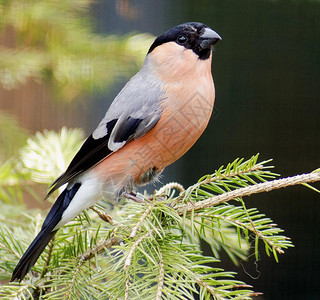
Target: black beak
{"type": "Point", "coordinates": [209, 38]}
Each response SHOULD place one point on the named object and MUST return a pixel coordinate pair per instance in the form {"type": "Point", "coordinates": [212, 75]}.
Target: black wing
{"type": "Point", "coordinates": [95, 150]}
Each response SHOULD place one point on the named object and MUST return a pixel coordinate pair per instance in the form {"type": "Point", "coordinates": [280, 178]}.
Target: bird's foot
{"type": "Point", "coordinates": [136, 197]}
{"type": "Point", "coordinates": [139, 198]}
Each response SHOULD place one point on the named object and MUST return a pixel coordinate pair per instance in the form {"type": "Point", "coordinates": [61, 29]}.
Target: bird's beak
{"type": "Point", "coordinates": [209, 38]}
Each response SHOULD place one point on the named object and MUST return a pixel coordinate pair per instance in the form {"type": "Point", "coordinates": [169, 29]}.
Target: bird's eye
{"type": "Point", "coordinates": [182, 39]}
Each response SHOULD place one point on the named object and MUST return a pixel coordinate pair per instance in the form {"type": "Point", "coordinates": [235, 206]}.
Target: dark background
{"type": "Point", "coordinates": [267, 75]}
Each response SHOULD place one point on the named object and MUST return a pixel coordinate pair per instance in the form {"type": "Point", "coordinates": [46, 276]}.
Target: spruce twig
{"type": "Point", "coordinates": [128, 259]}
{"type": "Point", "coordinates": [159, 233]}
{"type": "Point", "coordinates": [47, 260]}
{"type": "Point", "coordinates": [107, 243]}
{"type": "Point", "coordinates": [247, 191]}
{"type": "Point", "coordinates": [143, 217]}
{"type": "Point", "coordinates": [160, 278]}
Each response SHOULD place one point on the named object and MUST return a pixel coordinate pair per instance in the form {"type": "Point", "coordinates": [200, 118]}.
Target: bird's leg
{"type": "Point", "coordinates": [136, 197]}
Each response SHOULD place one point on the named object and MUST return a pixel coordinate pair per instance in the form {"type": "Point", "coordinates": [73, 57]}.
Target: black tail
{"type": "Point", "coordinates": [47, 232]}
{"type": "Point", "coordinates": [32, 254]}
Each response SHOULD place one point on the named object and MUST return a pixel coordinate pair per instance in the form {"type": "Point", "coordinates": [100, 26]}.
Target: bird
{"type": "Point", "coordinates": [153, 121]}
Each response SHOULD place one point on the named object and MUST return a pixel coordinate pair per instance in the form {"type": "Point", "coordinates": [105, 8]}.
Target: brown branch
{"type": "Point", "coordinates": [102, 215]}
{"type": "Point", "coordinates": [126, 292]}
{"type": "Point", "coordinates": [170, 186]}
{"type": "Point", "coordinates": [108, 243]}
{"type": "Point", "coordinates": [160, 278]}
{"type": "Point", "coordinates": [47, 260]}
{"type": "Point", "coordinates": [249, 190]}
{"type": "Point", "coordinates": [68, 294]}
{"type": "Point", "coordinates": [141, 220]}
{"type": "Point", "coordinates": [127, 262]}
{"type": "Point", "coordinates": [133, 197]}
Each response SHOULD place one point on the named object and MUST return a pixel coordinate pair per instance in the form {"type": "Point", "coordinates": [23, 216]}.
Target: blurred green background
{"type": "Point", "coordinates": [62, 63]}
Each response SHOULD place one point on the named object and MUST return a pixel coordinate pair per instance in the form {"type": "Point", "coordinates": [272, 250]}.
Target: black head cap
{"type": "Point", "coordinates": [193, 35]}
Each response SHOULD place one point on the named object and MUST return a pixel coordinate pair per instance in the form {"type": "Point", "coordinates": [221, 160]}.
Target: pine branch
{"type": "Point", "coordinates": [126, 294]}
{"type": "Point", "coordinates": [15, 291]}
{"type": "Point", "coordinates": [68, 295]}
{"type": "Point", "coordinates": [128, 259]}
{"type": "Point", "coordinates": [141, 220]}
{"type": "Point", "coordinates": [245, 225]}
{"type": "Point", "coordinates": [47, 260]}
{"type": "Point", "coordinates": [228, 175]}
{"type": "Point", "coordinates": [170, 186]}
{"type": "Point", "coordinates": [102, 215]}
{"type": "Point", "coordinates": [150, 248]}
{"type": "Point", "coordinates": [107, 243]}
{"type": "Point", "coordinates": [6, 241]}
{"type": "Point", "coordinates": [247, 191]}
{"type": "Point", "coordinates": [160, 278]}
{"type": "Point", "coordinates": [209, 289]}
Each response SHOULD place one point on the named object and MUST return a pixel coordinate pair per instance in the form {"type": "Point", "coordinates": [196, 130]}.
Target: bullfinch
{"type": "Point", "coordinates": [157, 116]}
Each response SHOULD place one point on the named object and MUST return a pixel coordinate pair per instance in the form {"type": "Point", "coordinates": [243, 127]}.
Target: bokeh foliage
{"type": "Point", "coordinates": [53, 42]}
